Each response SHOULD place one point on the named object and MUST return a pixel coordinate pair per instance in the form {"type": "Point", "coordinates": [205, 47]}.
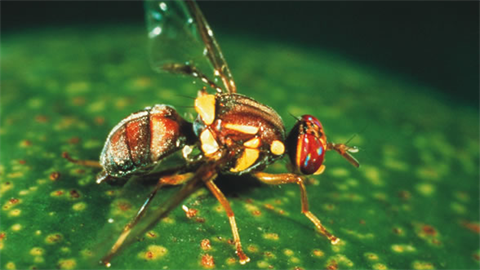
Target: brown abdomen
{"type": "Point", "coordinates": [144, 138]}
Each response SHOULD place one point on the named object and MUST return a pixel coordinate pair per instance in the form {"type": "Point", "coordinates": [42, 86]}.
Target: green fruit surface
{"type": "Point", "coordinates": [413, 203]}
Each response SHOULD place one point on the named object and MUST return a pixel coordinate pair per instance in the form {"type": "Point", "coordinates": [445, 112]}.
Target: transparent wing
{"type": "Point", "coordinates": [173, 35]}
{"type": "Point", "coordinates": [146, 219]}
{"type": "Point", "coordinates": [181, 41]}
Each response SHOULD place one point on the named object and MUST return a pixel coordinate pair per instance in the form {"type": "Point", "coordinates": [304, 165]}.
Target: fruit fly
{"type": "Point", "coordinates": [233, 133]}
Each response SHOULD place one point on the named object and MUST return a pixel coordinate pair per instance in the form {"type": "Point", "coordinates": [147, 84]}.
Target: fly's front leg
{"type": "Point", "coordinates": [170, 180]}
{"type": "Point", "coordinates": [231, 218]}
{"type": "Point", "coordinates": [287, 178]}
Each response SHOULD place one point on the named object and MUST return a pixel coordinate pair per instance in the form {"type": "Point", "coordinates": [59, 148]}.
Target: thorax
{"type": "Point", "coordinates": [250, 133]}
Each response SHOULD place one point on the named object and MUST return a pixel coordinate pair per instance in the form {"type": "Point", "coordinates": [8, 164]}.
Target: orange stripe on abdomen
{"type": "Point", "coordinates": [138, 140]}
{"type": "Point", "coordinates": [164, 134]}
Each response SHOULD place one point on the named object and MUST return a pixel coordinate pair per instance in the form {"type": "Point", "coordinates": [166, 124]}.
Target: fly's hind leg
{"type": "Point", "coordinates": [87, 163]}
{"type": "Point", "coordinates": [170, 180]}
{"type": "Point", "coordinates": [101, 177]}
{"type": "Point", "coordinates": [287, 178]}
{"type": "Point", "coordinates": [231, 218]}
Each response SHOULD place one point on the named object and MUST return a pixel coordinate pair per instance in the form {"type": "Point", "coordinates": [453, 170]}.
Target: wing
{"type": "Point", "coordinates": [149, 219]}
{"type": "Point", "coordinates": [181, 41]}
{"type": "Point", "coordinates": [204, 173]}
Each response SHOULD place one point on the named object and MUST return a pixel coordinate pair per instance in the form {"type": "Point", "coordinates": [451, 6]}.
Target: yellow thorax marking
{"type": "Point", "coordinates": [205, 107]}
{"type": "Point", "coordinates": [253, 143]}
{"type": "Point", "coordinates": [209, 144]}
{"type": "Point", "coordinates": [242, 128]}
{"type": "Point", "coordinates": [247, 159]}
{"type": "Point", "coordinates": [277, 148]}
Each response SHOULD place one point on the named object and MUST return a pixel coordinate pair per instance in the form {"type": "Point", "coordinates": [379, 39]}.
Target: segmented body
{"type": "Point", "coordinates": [143, 139]}
{"type": "Point", "coordinates": [250, 133]}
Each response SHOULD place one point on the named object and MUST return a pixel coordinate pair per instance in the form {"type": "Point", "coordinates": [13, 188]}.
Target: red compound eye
{"type": "Point", "coordinates": [307, 144]}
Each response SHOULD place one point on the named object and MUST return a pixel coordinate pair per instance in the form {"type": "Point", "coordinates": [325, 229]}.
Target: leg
{"type": "Point", "coordinates": [231, 218]}
{"type": "Point", "coordinates": [286, 178]}
{"type": "Point", "coordinates": [164, 181]}
{"type": "Point", "coordinates": [172, 180]}
{"type": "Point", "coordinates": [87, 163]}
{"type": "Point", "coordinates": [102, 176]}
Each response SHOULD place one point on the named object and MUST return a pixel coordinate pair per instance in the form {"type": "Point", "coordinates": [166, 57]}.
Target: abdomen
{"type": "Point", "coordinates": [143, 139]}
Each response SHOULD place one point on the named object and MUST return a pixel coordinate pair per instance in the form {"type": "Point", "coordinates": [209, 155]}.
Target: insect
{"type": "Point", "coordinates": [233, 133]}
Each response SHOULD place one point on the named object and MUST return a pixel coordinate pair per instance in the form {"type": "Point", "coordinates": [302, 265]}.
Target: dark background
{"type": "Point", "coordinates": [435, 43]}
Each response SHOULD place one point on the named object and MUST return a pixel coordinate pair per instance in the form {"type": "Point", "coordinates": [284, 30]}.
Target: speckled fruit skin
{"type": "Point", "coordinates": [412, 205]}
